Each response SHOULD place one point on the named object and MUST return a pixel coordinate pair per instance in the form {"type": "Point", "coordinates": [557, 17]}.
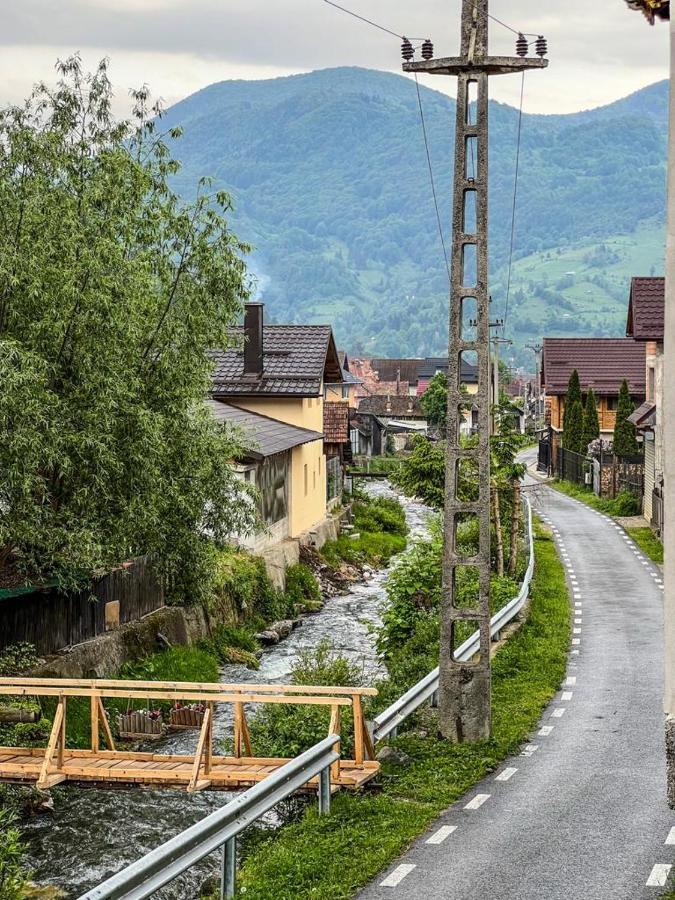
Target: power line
{"type": "Point", "coordinates": [515, 197]}
{"type": "Point", "coordinates": [395, 34]}
{"type": "Point", "coordinates": [431, 176]}
{"type": "Point", "coordinates": [368, 21]}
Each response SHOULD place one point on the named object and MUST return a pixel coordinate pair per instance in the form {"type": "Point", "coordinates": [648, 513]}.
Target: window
{"type": "Point", "coordinates": [306, 472]}
{"type": "Point", "coordinates": [651, 384]}
{"type": "Point", "coordinates": [314, 479]}
{"type": "Point", "coordinates": [612, 403]}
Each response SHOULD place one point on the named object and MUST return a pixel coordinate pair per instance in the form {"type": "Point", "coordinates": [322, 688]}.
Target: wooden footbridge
{"type": "Point", "coordinates": [115, 765]}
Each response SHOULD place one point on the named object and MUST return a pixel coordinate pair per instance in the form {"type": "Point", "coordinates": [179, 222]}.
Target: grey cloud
{"type": "Point", "coordinates": [307, 34]}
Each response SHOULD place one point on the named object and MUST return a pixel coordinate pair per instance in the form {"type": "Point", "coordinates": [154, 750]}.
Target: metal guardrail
{"type": "Point", "coordinates": [426, 689]}
{"type": "Point", "coordinates": [220, 829]}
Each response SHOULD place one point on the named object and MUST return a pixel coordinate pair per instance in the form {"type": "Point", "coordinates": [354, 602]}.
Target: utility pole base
{"type": "Point", "coordinates": [670, 760]}
{"type": "Point", "coordinates": [464, 713]}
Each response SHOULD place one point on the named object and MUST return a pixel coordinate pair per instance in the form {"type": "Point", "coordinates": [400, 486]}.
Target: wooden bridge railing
{"type": "Point", "coordinates": [59, 764]}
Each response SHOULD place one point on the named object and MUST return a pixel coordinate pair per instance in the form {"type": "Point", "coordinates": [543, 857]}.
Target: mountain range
{"type": "Point", "coordinates": [329, 179]}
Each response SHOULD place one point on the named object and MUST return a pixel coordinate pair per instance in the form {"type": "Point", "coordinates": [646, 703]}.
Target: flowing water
{"type": "Point", "coordinates": [93, 833]}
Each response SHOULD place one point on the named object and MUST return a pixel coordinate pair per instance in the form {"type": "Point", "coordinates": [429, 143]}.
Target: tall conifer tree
{"type": "Point", "coordinates": [625, 442]}
{"type": "Point", "coordinates": [591, 425]}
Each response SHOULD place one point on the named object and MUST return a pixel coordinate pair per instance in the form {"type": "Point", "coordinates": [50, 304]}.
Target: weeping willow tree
{"type": "Point", "coordinates": [112, 293]}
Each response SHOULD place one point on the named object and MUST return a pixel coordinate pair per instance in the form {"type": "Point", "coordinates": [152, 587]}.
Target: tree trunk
{"type": "Point", "coordinates": [498, 534]}
{"type": "Point", "coordinates": [515, 527]}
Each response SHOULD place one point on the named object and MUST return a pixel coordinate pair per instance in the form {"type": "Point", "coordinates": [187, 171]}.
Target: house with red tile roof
{"type": "Point", "coordinates": [602, 364]}
{"type": "Point", "coordinates": [645, 325]}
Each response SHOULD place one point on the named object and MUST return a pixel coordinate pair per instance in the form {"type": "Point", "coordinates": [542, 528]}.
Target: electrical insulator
{"type": "Point", "coordinates": [521, 45]}
{"type": "Point", "coordinates": [541, 46]}
{"type": "Point", "coordinates": [427, 49]}
{"type": "Point", "coordinates": [407, 51]}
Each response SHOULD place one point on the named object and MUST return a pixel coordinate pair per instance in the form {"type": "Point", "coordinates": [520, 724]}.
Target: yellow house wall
{"type": "Point", "coordinates": [305, 412]}
{"type": "Point", "coordinates": [307, 506]}
{"type": "Point", "coordinates": [334, 394]}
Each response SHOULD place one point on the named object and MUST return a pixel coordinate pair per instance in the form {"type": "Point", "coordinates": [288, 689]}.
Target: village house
{"type": "Point", "coordinates": [275, 376]}
{"type": "Point", "coordinates": [407, 377]}
{"type": "Point", "coordinates": [645, 325]}
{"type": "Point", "coordinates": [602, 364]}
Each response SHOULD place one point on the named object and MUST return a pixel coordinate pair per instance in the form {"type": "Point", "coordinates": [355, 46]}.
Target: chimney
{"type": "Point", "coordinates": [253, 340]}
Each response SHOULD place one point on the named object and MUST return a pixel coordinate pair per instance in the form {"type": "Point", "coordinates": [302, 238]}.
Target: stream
{"type": "Point", "coordinates": [93, 833]}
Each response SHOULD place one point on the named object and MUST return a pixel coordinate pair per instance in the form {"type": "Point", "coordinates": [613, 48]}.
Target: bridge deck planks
{"type": "Point", "coordinates": [152, 769]}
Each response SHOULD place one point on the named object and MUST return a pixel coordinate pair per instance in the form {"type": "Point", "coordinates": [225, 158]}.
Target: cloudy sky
{"type": "Point", "coordinates": [599, 50]}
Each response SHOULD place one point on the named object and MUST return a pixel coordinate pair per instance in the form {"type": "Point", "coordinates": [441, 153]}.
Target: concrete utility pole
{"type": "Point", "coordinates": [669, 443]}
{"type": "Point", "coordinates": [537, 349]}
{"type": "Point", "coordinates": [464, 690]}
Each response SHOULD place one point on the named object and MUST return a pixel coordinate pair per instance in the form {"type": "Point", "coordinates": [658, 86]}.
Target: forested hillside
{"type": "Point", "coordinates": [329, 178]}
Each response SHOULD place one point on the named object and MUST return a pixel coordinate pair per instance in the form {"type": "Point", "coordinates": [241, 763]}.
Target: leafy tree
{"type": "Point", "coordinates": [422, 473]}
{"type": "Point", "coordinates": [112, 293]}
{"type": "Point", "coordinates": [591, 426]}
{"type": "Point", "coordinates": [625, 443]}
{"type": "Point", "coordinates": [434, 400]}
{"type": "Point", "coordinates": [573, 393]}
{"type": "Point", "coordinates": [573, 435]}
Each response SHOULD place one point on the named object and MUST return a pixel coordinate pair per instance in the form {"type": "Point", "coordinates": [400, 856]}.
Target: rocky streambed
{"type": "Point", "coordinates": [92, 833]}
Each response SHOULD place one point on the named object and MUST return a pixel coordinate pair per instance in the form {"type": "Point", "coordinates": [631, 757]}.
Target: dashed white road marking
{"type": "Point", "coordinates": [529, 749]}
{"type": "Point", "coordinates": [574, 651]}
{"type": "Point", "coordinates": [439, 836]}
{"type": "Point", "coordinates": [566, 695]}
{"type": "Point", "coordinates": [576, 631]}
{"type": "Point", "coordinates": [545, 730]}
{"type": "Point", "coordinates": [397, 875]}
{"type": "Point", "coordinates": [572, 680]}
{"type": "Point", "coordinates": [659, 875]}
{"type": "Point", "coordinates": [477, 801]}
{"type": "Point", "coordinates": [506, 774]}
{"type": "Point", "coordinates": [578, 622]}
{"type": "Point", "coordinates": [670, 840]}
{"type": "Point", "coordinates": [576, 641]}
{"type": "Point", "coordinates": [558, 713]}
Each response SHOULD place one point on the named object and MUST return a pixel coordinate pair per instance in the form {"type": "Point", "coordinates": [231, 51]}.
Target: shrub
{"type": "Point", "coordinates": [12, 876]}
{"type": "Point", "coordinates": [626, 504]}
{"type": "Point", "coordinates": [242, 588]}
{"type": "Point", "coordinates": [286, 730]}
{"type": "Point", "coordinates": [16, 659]}
{"type": "Point", "coordinates": [301, 585]}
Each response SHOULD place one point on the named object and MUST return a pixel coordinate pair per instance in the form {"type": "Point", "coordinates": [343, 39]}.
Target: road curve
{"type": "Point", "coordinates": [584, 814]}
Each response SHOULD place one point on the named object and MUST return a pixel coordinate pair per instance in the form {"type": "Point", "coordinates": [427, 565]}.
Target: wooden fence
{"type": "Point", "coordinates": [51, 619]}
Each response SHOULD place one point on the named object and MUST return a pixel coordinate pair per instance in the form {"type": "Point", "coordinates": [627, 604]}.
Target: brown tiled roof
{"type": "Point", "coordinates": [335, 423]}
{"type": "Point", "coordinates": [393, 369]}
{"type": "Point", "coordinates": [263, 436]}
{"type": "Point", "coordinates": [602, 363]}
{"type": "Point", "coordinates": [392, 407]}
{"type": "Point", "coordinates": [294, 360]}
{"type": "Point", "coordinates": [644, 416]}
{"type": "Point", "coordinates": [646, 309]}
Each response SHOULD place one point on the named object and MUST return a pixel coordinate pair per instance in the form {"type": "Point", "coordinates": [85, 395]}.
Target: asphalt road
{"type": "Point", "coordinates": [583, 814]}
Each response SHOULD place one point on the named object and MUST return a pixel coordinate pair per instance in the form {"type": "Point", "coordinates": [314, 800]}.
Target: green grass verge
{"type": "Point", "coordinates": [330, 858]}
{"type": "Point", "coordinates": [648, 542]}
{"type": "Point", "coordinates": [623, 505]}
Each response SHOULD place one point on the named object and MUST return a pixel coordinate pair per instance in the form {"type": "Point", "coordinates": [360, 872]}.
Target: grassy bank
{"type": "Point", "coordinates": [379, 533]}
{"type": "Point", "coordinates": [648, 542]}
{"type": "Point", "coordinates": [331, 858]}
{"type": "Point", "coordinates": [624, 504]}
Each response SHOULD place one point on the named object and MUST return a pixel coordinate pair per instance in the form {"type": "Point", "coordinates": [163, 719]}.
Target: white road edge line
{"type": "Point", "coordinates": [477, 801]}
{"type": "Point", "coordinates": [566, 695]}
{"type": "Point", "coordinates": [659, 875]}
{"type": "Point", "coordinates": [439, 836]}
{"type": "Point", "coordinates": [397, 875]}
{"type": "Point", "coordinates": [506, 774]}
{"type": "Point", "coordinates": [670, 840]}
{"type": "Point", "coordinates": [558, 713]}
{"type": "Point", "coordinates": [545, 730]}
{"type": "Point", "coordinates": [571, 680]}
